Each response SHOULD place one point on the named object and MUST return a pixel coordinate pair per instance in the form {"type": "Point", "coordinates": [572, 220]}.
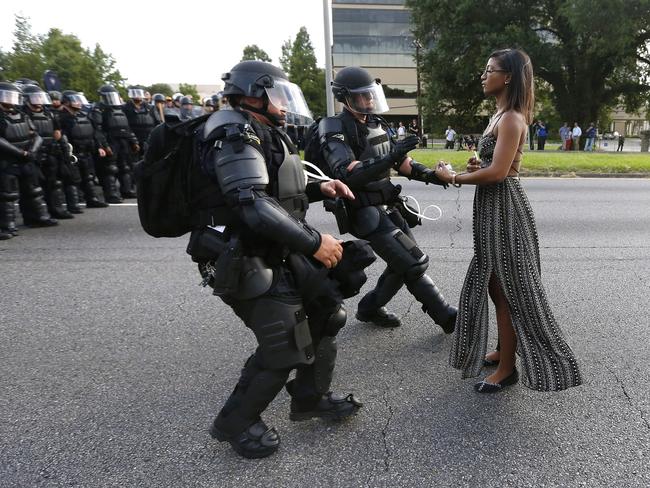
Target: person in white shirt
{"type": "Point", "coordinates": [575, 136]}
{"type": "Point", "coordinates": [450, 136]}
{"type": "Point", "coordinates": [401, 131]}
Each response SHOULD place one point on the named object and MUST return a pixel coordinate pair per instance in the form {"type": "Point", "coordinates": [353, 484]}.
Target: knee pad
{"type": "Point", "coordinates": [335, 322]}
{"type": "Point", "coordinates": [282, 332]}
{"type": "Point", "coordinates": [417, 270]}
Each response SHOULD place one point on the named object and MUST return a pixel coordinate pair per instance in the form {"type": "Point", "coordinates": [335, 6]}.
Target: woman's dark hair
{"type": "Point", "coordinates": [521, 89]}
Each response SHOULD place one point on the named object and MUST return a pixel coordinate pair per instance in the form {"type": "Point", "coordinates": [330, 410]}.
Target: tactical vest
{"type": "Point", "coordinates": [291, 185]}
{"type": "Point", "coordinates": [44, 126]}
{"type": "Point", "coordinates": [115, 123]}
{"type": "Point", "coordinates": [17, 129]}
{"type": "Point", "coordinates": [141, 121]}
{"type": "Point", "coordinates": [82, 134]}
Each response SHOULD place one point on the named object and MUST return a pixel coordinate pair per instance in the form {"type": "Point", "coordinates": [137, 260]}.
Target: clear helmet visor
{"type": "Point", "coordinates": [40, 98]}
{"type": "Point", "coordinates": [77, 101]}
{"type": "Point", "coordinates": [111, 98]}
{"type": "Point", "coordinates": [10, 97]}
{"type": "Point", "coordinates": [367, 100]}
{"type": "Point", "coordinates": [136, 93]}
{"type": "Point", "coordinates": [288, 96]}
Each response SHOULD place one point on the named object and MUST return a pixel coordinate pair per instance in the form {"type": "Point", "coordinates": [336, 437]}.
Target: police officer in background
{"type": "Point", "coordinates": [80, 135]}
{"type": "Point", "coordinates": [140, 115]}
{"type": "Point", "coordinates": [158, 107]}
{"type": "Point", "coordinates": [19, 145]}
{"type": "Point", "coordinates": [49, 158]}
{"type": "Point", "coordinates": [289, 294]}
{"type": "Point", "coordinates": [187, 108]}
{"type": "Point", "coordinates": [55, 97]}
{"type": "Point", "coordinates": [121, 144]}
{"type": "Point", "coordinates": [357, 150]}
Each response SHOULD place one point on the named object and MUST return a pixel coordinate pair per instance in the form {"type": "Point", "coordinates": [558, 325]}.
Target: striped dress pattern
{"type": "Point", "coordinates": [506, 244]}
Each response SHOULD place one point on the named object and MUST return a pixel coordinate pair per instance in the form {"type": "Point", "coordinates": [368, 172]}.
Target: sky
{"type": "Point", "coordinates": [155, 43]}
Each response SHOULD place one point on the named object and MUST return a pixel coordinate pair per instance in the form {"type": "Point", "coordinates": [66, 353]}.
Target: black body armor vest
{"type": "Point", "coordinates": [44, 125]}
{"type": "Point", "coordinates": [15, 127]}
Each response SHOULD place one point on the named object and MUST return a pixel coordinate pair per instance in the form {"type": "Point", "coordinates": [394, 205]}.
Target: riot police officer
{"type": "Point", "coordinates": [187, 108]}
{"type": "Point", "coordinates": [55, 96]}
{"type": "Point", "coordinates": [120, 144]}
{"type": "Point", "coordinates": [356, 148]}
{"type": "Point", "coordinates": [81, 136]}
{"type": "Point", "coordinates": [19, 145]}
{"type": "Point", "coordinates": [287, 293]}
{"type": "Point", "coordinates": [158, 107]}
{"type": "Point", "coordinates": [49, 158]}
{"type": "Point", "coordinates": [140, 115]}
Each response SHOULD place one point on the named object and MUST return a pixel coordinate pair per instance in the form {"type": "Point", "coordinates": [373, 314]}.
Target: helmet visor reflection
{"type": "Point", "coordinates": [112, 98]}
{"type": "Point", "coordinates": [40, 98]}
{"type": "Point", "coordinates": [10, 97]}
{"type": "Point", "coordinates": [368, 99]}
{"type": "Point", "coordinates": [288, 96]}
{"type": "Point", "coordinates": [136, 93]}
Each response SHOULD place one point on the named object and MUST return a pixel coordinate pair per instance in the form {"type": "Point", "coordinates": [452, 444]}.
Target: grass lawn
{"type": "Point", "coordinates": [551, 162]}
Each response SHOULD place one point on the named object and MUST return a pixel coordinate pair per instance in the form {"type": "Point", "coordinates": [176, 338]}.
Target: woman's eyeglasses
{"type": "Point", "coordinates": [487, 71]}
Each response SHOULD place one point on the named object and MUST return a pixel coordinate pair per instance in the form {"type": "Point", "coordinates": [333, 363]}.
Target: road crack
{"type": "Point", "coordinates": [629, 398]}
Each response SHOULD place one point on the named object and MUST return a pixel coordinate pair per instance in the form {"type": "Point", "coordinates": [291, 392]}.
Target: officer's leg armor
{"type": "Point", "coordinates": [87, 172]}
{"type": "Point", "coordinates": [257, 387]}
{"type": "Point", "coordinates": [107, 173]}
{"type": "Point", "coordinates": [400, 251]}
{"type": "Point", "coordinates": [31, 201]}
{"type": "Point", "coordinates": [313, 381]}
{"type": "Point", "coordinates": [53, 188]}
{"type": "Point", "coordinates": [125, 177]}
{"type": "Point", "coordinates": [8, 198]}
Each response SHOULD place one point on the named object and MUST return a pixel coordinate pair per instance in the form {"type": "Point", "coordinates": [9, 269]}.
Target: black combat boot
{"type": "Point", "coordinates": [256, 441]}
{"type": "Point", "coordinates": [329, 406]}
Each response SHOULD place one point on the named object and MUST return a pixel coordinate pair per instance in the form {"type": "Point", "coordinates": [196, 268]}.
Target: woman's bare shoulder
{"type": "Point", "coordinates": [512, 120]}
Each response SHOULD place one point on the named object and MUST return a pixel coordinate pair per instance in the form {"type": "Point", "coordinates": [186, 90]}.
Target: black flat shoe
{"type": "Point", "coordinates": [257, 441]}
{"type": "Point", "coordinates": [331, 406]}
{"type": "Point", "coordinates": [380, 317]}
{"type": "Point", "coordinates": [485, 387]}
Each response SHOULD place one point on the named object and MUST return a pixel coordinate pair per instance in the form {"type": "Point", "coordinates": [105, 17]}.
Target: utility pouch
{"type": "Point", "coordinates": [411, 218]}
{"type": "Point", "coordinates": [340, 210]}
{"type": "Point", "coordinates": [227, 269]}
{"type": "Point", "coordinates": [206, 245]}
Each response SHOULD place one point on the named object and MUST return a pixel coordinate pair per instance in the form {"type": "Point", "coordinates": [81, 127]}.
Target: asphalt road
{"type": "Point", "coordinates": [114, 362]}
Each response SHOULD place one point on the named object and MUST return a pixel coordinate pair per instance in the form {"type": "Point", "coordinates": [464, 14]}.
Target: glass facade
{"type": "Point", "coordinates": [372, 37]}
{"type": "Point", "coordinates": [366, 2]}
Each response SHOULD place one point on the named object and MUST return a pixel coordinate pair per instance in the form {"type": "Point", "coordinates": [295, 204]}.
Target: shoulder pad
{"type": "Point", "coordinates": [330, 126]}
{"type": "Point", "coordinates": [221, 118]}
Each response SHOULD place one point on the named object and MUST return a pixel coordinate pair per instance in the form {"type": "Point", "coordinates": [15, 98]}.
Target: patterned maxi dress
{"type": "Point", "coordinates": [506, 244]}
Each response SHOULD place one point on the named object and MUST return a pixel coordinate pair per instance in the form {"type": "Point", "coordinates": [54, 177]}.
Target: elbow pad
{"type": "Point", "coordinates": [265, 215]}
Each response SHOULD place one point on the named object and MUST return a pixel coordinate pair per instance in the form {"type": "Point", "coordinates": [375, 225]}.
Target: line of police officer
{"type": "Point", "coordinates": [53, 146]}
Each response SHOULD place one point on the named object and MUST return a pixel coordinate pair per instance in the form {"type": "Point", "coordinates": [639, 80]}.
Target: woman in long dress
{"type": "Point", "coordinates": [506, 260]}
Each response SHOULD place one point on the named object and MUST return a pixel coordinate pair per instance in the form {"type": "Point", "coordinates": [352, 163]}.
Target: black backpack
{"type": "Point", "coordinates": [164, 178]}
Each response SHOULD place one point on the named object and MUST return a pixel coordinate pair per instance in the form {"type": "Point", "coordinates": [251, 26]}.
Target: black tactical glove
{"type": "Point", "coordinates": [401, 148]}
{"type": "Point", "coordinates": [420, 172]}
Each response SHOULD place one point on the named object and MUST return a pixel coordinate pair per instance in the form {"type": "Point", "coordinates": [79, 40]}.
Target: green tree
{"type": "Point", "coordinates": [77, 67]}
{"type": "Point", "coordinates": [252, 52]}
{"type": "Point", "coordinates": [191, 91]}
{"type": "Point", "coordinates": [299, 62]}
{"type": "Point", "coordinates": [591, 59]}
{"type": "Point", "coordinates": [163, 88]}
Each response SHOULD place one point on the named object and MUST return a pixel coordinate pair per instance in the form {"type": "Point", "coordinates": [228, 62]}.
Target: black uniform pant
{"type": "Point", "coordinates": [291, 334]}
{"type": "Point", "coordinates": [123, 159]}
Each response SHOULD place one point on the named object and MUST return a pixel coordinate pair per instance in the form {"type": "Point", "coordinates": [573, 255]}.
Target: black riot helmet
{"type": "Point", "coordinates": [10, 96]}
{"type": "Point", "coordinates": [55, 95]}
{"type": "Point", "coordinates": [73, 99]}
{"type": "Point", "coordinates": [186, 101]}
{"type": "Point", "coordinates": [25, 81]}
{"type": "Point", "coordinates": [35, 97]}
{"type": "Point", "coordinates": [108, 95]}
{"type": "Point", "coordinates": [158, 97]}
{"type": "Point", "coordinates": [262, 80]}
{"type": "Point", "coordinates": [359, 91]}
